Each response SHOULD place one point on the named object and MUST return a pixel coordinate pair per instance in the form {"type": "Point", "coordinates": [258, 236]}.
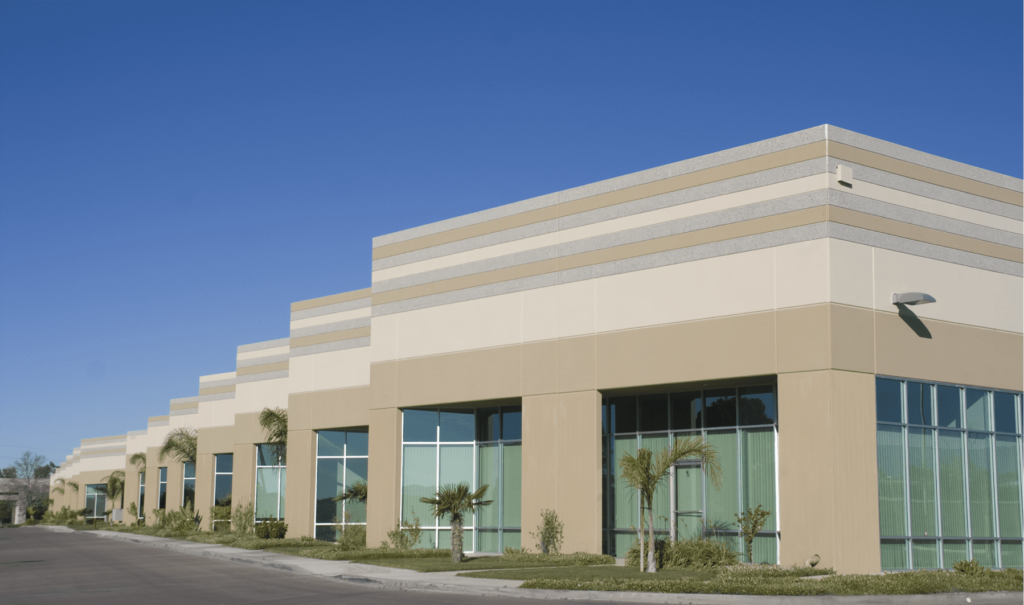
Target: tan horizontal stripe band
{"type": "Point", "coordinates": [91, 439]}
{"type": "Point", "coordinates": [210, 391]}
{"type": "Point", "coordinates": [923, 234]}
{"type": "Point", "coordinates": [684, 181]}
{"type": "Point", "coordinates": [333, 299]}
{"type": "Point", "coordinates": [306, 341]}
{"type": "Point", "coordinates": [922, 173]}
{"type": "Point", "coordinates": [110, 450]}
{"type": "Point", "coordinates": [799, 218]}
{"type": "Point", "coordinates": [158, 418]}
{"type": "Point", "coordinates": [267, 367]}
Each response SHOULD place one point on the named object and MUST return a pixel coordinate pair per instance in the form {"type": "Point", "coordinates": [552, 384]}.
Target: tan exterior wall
{"type": "Point", "coordinates": [562, 466]}
{"type": "Point", "coordinates": [301, 482]}
{"type": "Point", "coordinates": [384, 504]}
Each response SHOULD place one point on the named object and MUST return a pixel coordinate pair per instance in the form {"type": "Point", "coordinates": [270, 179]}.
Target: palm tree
{"type": "Point", "coordinates": [115, 487]}
{"type": "Point", "coordinates": [455, 501]}
{"type": "Point", "coordinates": [356, 491]}
{"type": "Point", "coordinates": [139, 460]}
{"type": "Point", "coordinates": [62, 483]}
{"type": "Point", "coordinates": [646, 471]}
{"type": "Point", "coordinates": [182, 444]}
{"type": "Point", "coordinates": [275, 422]}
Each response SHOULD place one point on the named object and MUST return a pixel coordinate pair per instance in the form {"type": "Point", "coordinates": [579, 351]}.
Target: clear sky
{"type": "Point", "coordinates": [174, 174]}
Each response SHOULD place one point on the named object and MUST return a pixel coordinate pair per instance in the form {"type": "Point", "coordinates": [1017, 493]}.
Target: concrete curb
{"type": "Point", "coordinates": [487, 588]}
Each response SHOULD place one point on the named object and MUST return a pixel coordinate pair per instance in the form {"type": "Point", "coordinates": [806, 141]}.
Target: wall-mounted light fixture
{"type": "Point", "coordinates": [844, 174]}
{"type": "Point", "coordinates": [911, 298]}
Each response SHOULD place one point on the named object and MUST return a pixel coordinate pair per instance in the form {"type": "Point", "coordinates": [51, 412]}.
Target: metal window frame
{"type": "Point", "coordinates": [316, 477]}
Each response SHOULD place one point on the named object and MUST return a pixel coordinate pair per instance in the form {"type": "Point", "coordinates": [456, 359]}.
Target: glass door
{"type": "Point", "coordinates": [688, 500]}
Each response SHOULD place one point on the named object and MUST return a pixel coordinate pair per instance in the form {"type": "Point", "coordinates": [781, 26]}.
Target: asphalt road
{"type": "Point", "coordinates": [39, 566]}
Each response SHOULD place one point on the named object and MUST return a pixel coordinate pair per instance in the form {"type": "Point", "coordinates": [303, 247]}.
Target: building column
{"type": "Point", "coordinates": [828, 474]}
{"type": "Point", "coordinates": [300, 483]}
{"type": "Point", "coordinates": [384, 504]}
{"type": "Point", "coordinates": [562, 467]}
{"type": "Point", "coordinates": [204, 489]}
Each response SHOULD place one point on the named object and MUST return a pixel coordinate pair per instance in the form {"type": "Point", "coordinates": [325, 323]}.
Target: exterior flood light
{"type": "Point", "coordinates": [911, 298]}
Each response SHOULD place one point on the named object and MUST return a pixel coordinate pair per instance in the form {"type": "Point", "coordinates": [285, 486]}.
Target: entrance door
{"type": "Point", "coordinates": [689, 500]}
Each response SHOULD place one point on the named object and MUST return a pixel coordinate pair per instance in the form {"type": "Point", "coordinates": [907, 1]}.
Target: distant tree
{"type": "Point", "coordinates": [9, 472]}
{"type": "Point", "coordinates": [28, 464]}
{"type": "Point", "coordinates": [44, 472]}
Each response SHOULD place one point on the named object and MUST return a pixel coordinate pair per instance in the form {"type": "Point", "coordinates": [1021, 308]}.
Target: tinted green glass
{"type": "Point", "coordinates": [979, 474]}
{"type": "Point", "coordinates": [268, 455]}
{"type": "Point", "coordinates": [624, 497]}
{"type": "Point", "coordinates": [723, 501]}
{"type": "Point", "coordinates": [920, 448]}
{"type": "Point", "coordinates": [488, 469]}
{"type": "Point", "coordinates": [419, 480]}
{"type": "Point", "coordinates": [951, 484]}
{"type": "Point", "coordinates": [948, 399]}
{"type": "Point", "coordinates": [512, 423]}
{"type": "Point", "coordinates": [225, 462]}
{"type": "Point", "coordinates": [268, 492]}
{"type": "Point", "coordinates": [685, 410]}
{"type": "Point", "coordinates": [758, 451]}
{"type": "Point", "coordinates": [1008, 482]}
{"type": "Point", "coordinates": [1013, 556]}
{"type": "Point", "coordinates": [719, 408]}
{"type": "Point", "coordinates": [355, 472]}
{"type": "Point", "coordinates": [977, 409]}
{"type": "Point", "coordinates": [163, 474]}
{"type": "Point", "coordinates": [511, 485]}
{"type": "Point", "coordinates": [330, 443]}
{"type": "Point", "coordinates": [457, 425]}
{"type": "Point", "coordinates": [766, 550]}
{"type": "Point", "coordinates": [653, 412]}
{"type": "Point", "coordinates": [188, 493]}
{"type": "Point", "coordinates": [953, 551]}
{"type": "Point", "coordinates": [891, 498]}
{"type": "Point", "coordinates": [488, 540]}
{"type": "Point", "coordinates": [894, 555]}
{"type": "Point", "coordinates": [757, 405]}
{"type": "Point", "coordinates": [357, 443]}
{"type": "Point", "coordinates": [456, 467]}
{"type": "Point", "coordinates": [419, 425]}
{"type": "Point", "coordinates": [663, 494]}
{"type": "Point", "coordinates": [621, 541]}
{"type": "Point", "coordinates": [919, 405]}
{"type": "Point", "coordinates": [984, 552]}
{"type": "Point", "coordinates": [889, 400]}
{"type": "Point", "coordinates": [222, 490]}
{"type": "Point", "coordinates": [511, 539]}
{"type": "Point", "coordinates": [925, 553]}
{"type": "Point", "coordinates": [690, 489]}
{"type": "Point", "coordinates": [190, 470]}
{"type": "Point", "coordinates": [1004, 414]}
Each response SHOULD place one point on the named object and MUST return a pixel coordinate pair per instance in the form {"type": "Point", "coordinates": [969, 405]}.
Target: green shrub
{"type": "Point", "coordinates": [243, 519]}
{"type": "Point", "coordinates": [549, 532]}
{"type": "Point", "coordinates": [405, 535]}
{"type": "Point", "coordinates": [697, 553]}
{"type": "Point", "coordinates": [352, 537]}
{"type": "Point", "coordinates": [271, 530]}
{"type": "Point", "coordinates": [750, 523]}
{"type": "Point", "coordinates": [519, 555]}
{"type": "Point", "coordinates": [969, 566]}
{"type": "Point", "coordinates": [65, 516]}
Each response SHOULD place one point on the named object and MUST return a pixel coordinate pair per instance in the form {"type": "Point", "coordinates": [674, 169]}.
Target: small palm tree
{"type": "Point", "coordinates": [181, 444]}
{"type": "Point", "coordinates": [357, 492]}
{"type": "Point", "coordinates": [139, 460]}
{"type": "Point", "coordinates": [455, 501]}
{"type": "Point", "coordinates": [646, 471]}
{"type": "Point", "coordinates": [115, 487]}
{"type": "Point", "coordinates": [275, 422]}
{"type": "Point", "coordinates": [61, 484]}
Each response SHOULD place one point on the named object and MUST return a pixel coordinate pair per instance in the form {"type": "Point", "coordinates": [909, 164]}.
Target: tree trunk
{"type": "Point", "coordinates": [641, 533]}
{"type": "Point", "coordinates": [651, 566]}
{"type": "Point", "coordinates": [456, 541]}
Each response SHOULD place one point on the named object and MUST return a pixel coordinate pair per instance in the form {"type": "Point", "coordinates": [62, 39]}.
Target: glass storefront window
{"type": "Point", "coordinates": [163, 488]}
{"type": "Point", "coordinates": [476, 446]}
{"type": "Point", "coordinates": [96, 501]}
{"type": "Point", "coordinates": [188, 485]}
{"type": "Point", "coordinates": [740, 423]}
{"type": "Point", "coordinates": [271, 477]}
{"type": "Point", "coordinates": [949, 475]}
{"type": "Point", "coordinates": [342, 461]}
{"type": "Point", "coordinates": [142, 495]}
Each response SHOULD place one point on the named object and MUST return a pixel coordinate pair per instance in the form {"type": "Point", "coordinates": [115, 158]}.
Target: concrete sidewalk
{"type": "Point", "coordinates": [449, 582]}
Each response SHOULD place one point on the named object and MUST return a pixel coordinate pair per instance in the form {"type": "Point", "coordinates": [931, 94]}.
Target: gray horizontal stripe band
{"type": "Point", "coordinates": [916, 248]}
{"type": "Point", "coordinates": [259, 361]}
{"type": "Point", "coordinates": [187, 412]}
{"type": "Point", "coordinates": [262, 376]}
{"type": "Point", "coordinates": [160, 423]}
{"type": "Point", "coordinates": [327, 347]}
{"type": "Point", "coordinates": [188, 399]}
{"type": "Point", "coordinates": [921, 158]}
{"type": "Point", "coordinates": [359, 303]}
{"type": "Point", "coordinates": [102, 441]}
{"type": "Point", "coordinates": [618, 238]}
{"type": "Point", "coordinates": [704, 162]}
{"type": "Point", "coordinates": [103, 455]}
{"type": "Point", "coordinates": [259, 346]}
{"type": "Point", "coordinates": [215, 397]}
{"type": "Point", "coordinates": [923, 189]}
{"type": "Point", "coordinates": [338, 326]}
{"type": "Point", "coordinates": [657, 202]}
{"type": "Point", "coordinates": [650, 261]}
{"type": "Point", "coordinates": [910, 216]}
{"type": "Point", "coordinates": [224, 382]}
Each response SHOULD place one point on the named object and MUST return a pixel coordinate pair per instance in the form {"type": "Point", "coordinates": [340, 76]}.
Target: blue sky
{"type": "Point", "coordinates": [174, 174]}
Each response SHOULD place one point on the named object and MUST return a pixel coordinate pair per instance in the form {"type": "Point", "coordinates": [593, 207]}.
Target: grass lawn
{"type": "Point", "coordinates": [586, 574]}
{"type": "Point", "coordinates": [440, 560]}
{"type": "Point", "coordinates": [765, 581]}
{"type": "Point", "coordinates": [468, 563]}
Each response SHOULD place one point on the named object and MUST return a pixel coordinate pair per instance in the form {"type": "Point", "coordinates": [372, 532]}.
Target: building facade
{"type": "Point", "coordinates": [745, 297]}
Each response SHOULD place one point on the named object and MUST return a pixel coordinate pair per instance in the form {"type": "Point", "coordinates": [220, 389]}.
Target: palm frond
{"type": "Point", "coordinates": [275, 423]}
{"type": "Point", "coordinates": [73, 485]}
{"type": "Point", "coordinates": [455, 500]}
{"type": "Point", "coordinates": [115, 485]}
{"type": "Point", "coordinates": [59, 485]}
{"type": "Point", "coordinates": [181, 444]}
{"type": "Point", "coordinates": [357, 492]}
{"type": "Point", "coordinates": [138, 459]}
